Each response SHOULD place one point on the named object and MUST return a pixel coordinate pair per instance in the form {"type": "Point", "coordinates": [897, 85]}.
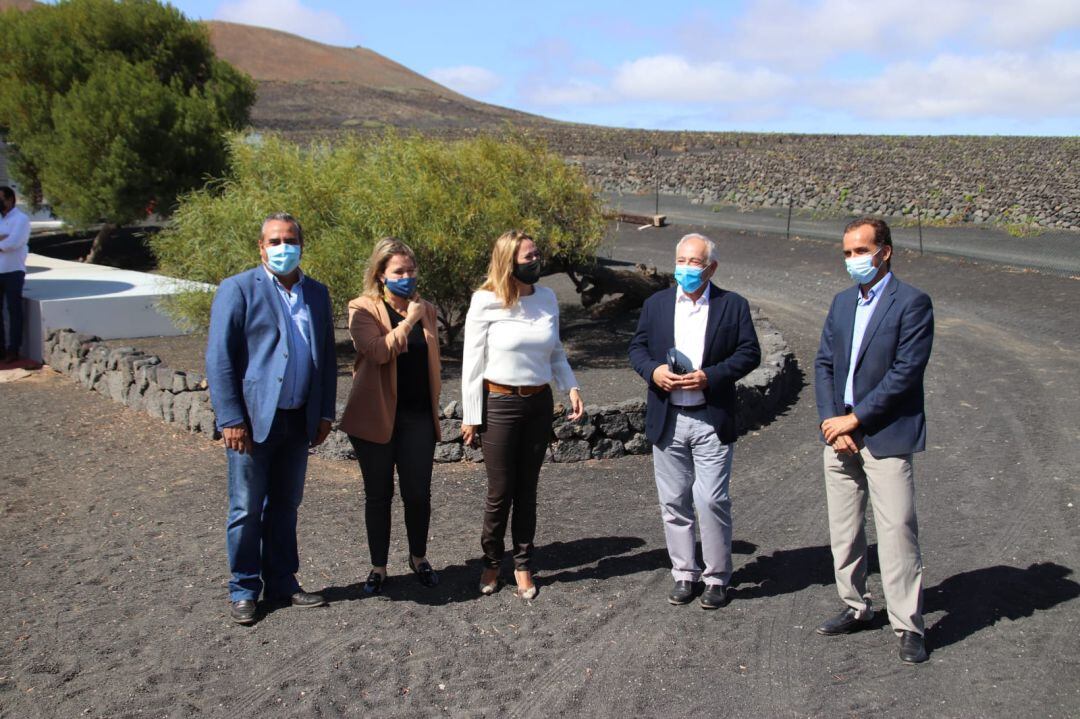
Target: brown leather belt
{"type": "Point", "coordinates": [523, 391]}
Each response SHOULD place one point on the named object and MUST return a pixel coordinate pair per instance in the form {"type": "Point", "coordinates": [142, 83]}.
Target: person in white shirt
{"type": "Point", "coordinates": [512, 353]}
{"type": "Point", "coordinates": [14, 236]}
{"type": "Point", "coordinates": [693, 343]}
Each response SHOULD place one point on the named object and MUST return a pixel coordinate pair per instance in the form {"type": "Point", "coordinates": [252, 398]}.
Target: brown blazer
{"type": "Point", "coordinates": [372, 405]}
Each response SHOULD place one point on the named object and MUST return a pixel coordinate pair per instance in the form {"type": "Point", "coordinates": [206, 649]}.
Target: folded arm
{"type": "Point", "coordinates": [368, 337]}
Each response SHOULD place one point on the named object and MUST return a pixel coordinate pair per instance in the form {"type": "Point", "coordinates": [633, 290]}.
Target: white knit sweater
{"type": "Point", "coordinates": [516, 346]}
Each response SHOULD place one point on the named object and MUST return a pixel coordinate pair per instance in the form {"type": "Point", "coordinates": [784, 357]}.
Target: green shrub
{"type": "Point", "coordinates": [448, 200]}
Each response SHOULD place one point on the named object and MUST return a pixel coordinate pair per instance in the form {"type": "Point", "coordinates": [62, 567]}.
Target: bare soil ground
{"type": "Point", "coordinates": [113, 543]}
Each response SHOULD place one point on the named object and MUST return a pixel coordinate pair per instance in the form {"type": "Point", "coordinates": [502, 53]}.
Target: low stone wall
{"type": "Point", "coordinates": [134, 379]}
{"type": "Point", "coordinates": [144, 383]}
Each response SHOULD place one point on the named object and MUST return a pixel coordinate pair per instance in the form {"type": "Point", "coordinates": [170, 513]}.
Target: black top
{"type": "Point", "coordinates": [413, 381]}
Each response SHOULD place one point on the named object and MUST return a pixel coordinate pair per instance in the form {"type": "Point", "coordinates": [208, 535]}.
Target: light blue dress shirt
{"type": "Point", "coordinates": [864, 310]}
{"type": "Point", "coordinates": [297, 378]}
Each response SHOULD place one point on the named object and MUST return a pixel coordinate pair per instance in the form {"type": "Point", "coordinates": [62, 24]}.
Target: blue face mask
{"type": "Point", "coordinates": [862, 268]}
{"type": "Point", "coordinates": [689, 278]}
{"type": "Point", "coordinates": [282, 259]}
{"type": "Point", "coordinates": [402, 287]}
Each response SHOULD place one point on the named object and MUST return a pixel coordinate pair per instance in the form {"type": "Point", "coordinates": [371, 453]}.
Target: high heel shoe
{"type": "Point", "coordinates": [528, 592]}
{"type": "Point", "coordinates": [488, 588]}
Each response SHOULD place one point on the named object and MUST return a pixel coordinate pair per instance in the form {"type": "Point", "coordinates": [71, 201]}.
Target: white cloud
{"type": "Point", "coordinates": [290, 16]}
{"type": "Point", "coordinates": [1008, 85]}
{"type": "Point", "coordinates": [572, 92]}
{"type": "Point", "coordinates": [673, 78]}
{"type": "Point", "coordinates": [797, 34]}
{"type": "Point", "coordinates": [467, 79]}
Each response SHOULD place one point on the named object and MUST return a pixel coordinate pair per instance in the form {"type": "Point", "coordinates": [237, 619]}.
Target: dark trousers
{"type": "Point", "coordinates": [412, 450]}
{"type": "Point", "coordinates": [515, 437]}
{"type": "Point", "coordinates": [265, 490]}
{"type": "Point", "coordinates": [11, 287]}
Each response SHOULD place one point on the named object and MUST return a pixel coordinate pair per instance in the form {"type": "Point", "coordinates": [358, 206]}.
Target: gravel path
{"type": "Point", "coordinates": [112, 529]}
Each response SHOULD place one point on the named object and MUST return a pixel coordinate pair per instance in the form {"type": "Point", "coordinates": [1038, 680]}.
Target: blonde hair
{"type": "Point", "coordinates": [384, 249]}
{"type": "Point", "coordinates": [500, 276]}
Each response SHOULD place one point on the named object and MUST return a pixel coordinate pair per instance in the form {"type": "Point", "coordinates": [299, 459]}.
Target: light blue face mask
{"type": "Point", "coordinates": [689, 277]}
{"type": "Point", "coordinates": [862, 268]}
{"type": "Point", "coordinates": [282, 259]}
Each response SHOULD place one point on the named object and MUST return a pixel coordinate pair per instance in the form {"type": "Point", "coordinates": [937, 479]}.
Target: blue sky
{"type": "Point", "coordinates": [843, 66]}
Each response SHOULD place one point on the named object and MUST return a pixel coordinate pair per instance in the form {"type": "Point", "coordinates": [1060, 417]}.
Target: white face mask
{"type": "Point", "coordinates": [862, 268]}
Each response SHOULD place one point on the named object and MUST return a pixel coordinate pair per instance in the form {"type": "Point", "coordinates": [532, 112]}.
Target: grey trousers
{"type": "Point", "coordinates": [890, 483]}
{"type": "Point", "coordinates": [692, 468]}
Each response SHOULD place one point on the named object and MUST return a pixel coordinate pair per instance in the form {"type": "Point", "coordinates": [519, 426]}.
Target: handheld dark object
{"type": "Point", "coordinates": [673, 363]}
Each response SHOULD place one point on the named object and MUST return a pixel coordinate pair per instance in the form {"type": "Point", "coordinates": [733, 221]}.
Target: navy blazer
{"type": "Point", "coordinates": [888, 382]}
{"type": "Point", "coordinates": [731, 353]}
{"type": "Point", "coordinates": [246, 353]}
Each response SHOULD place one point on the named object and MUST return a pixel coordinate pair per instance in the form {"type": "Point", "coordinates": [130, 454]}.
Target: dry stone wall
{"type": "Point", "coordinates": [1029, 181]}
{"type": "Point", "coordinates": [145, 383]}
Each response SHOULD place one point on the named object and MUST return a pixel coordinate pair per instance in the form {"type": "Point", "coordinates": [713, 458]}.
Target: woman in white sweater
{"type": "Point", "coordinates": [512, 352]}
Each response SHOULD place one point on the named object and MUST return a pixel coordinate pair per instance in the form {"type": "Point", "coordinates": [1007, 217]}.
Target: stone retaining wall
{"type": "Point", "coordinates": [1011, 181]}
{"type": "Point", "coordinates": [134, 379]}
{"type": "Point", "coordinates": [144, 383]}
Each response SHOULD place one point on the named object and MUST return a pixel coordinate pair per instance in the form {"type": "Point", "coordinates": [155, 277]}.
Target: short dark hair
{"type": "Point", "coordinates": [882, 234]}
{"type": "Point", "coordinates": [283, 217]}
{"type": "Point", "coordinates": [8, 193]}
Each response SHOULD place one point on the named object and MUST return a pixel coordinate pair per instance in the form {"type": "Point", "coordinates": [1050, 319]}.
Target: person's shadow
{"type": "Point", "coordinates": [576, 560]}
{"type": "Point", "coordinates": [972, 600]}
{"type": "Point", "coordinates": [981, 598]}
{"type": "Point", "coordinates": [787, 571]}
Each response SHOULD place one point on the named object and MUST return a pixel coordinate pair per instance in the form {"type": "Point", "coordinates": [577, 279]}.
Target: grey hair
{"type": "Point", "coordinates": [710, 246]}
{"type": "Point", "coordinates": [282, 217]}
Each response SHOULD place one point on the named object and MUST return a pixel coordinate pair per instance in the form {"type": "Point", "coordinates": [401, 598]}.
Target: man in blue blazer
{"type": "Point", "coordinates": [869, 386]}
{"type": "Point", "coordinates": [693, 342]}
{"type": "Point", "coordinates": [272, 371]}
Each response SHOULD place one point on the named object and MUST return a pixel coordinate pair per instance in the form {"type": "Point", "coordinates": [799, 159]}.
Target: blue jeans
{"type": "Point", "coordinates": [11, 287]}
{"type": "Point", "coordinates": [265, 490]}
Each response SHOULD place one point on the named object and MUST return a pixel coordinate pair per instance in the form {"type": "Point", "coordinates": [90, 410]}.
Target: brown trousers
{"type": "Point", "coordinates": [514, 437]}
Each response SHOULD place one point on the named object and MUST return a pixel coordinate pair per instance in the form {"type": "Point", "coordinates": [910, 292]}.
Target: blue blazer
{"type": "Point", "coordinates": [731, 353]}
{"type": "Point", "coordinates": [246, 353]}
{"type": "Point", "coordinates": [889, 367]}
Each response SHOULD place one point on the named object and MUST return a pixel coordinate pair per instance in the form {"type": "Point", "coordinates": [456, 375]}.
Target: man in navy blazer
{"type": "Point", "coordinates": [272, 371]}
{"type": "Point", "coordinates": [709, 337]}
{"type": "Point", "coordinates": [869, 387]}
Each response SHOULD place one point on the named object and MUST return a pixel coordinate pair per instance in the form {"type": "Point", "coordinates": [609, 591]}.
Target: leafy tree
{"type": "Point", "coordinates": [115, 107]}
{"type": "Point", "coordinates": [448, 200]}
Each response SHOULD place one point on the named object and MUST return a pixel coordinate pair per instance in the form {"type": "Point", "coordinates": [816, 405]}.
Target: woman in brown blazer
{"type": "Point", "coordinates": [392, 415]}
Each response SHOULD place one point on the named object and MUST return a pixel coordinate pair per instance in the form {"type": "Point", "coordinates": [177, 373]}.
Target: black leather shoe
{"type": "Point", "coordinates": [242, 612]}
{"type": "Point", "coordinates": [714, 596]}
{"type": "Point", "coordinates": [307, 599]}
{"type": "Point", "coordinates": [845, 622]}
{"type": "Point", "coordinates": [912, 648]}
{"type": "Point", "coordinates": [373, 583]}
{"type": "Point", "coordinates": [427, 576]}
{"type": "Point", "coordinates": [682, 593]}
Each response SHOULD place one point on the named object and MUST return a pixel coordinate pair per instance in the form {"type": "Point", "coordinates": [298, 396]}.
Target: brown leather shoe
{"type": "Point", "coordinates": [243, 611]}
